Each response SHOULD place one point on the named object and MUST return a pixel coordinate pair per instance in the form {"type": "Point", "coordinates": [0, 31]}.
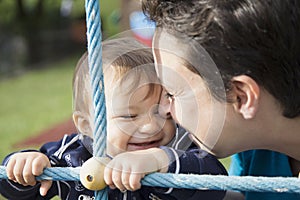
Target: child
{"type": "Point", "coordinates": [137, 136]}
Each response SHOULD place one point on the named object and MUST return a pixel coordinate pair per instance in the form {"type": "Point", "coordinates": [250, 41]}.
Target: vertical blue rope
{"type": "Point", "coordinates": [94, 39]}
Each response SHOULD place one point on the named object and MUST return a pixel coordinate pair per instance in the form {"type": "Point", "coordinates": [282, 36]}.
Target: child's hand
{"type": "Point", "coordinates": [126, 170]}
{"type": "Point", "coordinates": [23, 167]}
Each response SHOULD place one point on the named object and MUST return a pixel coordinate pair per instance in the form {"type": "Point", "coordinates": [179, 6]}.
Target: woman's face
{"type": "Point", "coordinates": [189, 100]}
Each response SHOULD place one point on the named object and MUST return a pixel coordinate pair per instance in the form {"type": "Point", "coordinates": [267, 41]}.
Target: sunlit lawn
{"type": "Point", "coordinates": [34, 101]}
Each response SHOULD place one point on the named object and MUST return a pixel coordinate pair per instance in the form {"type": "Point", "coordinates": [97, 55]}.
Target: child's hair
{"type": "Point", "coordinates": [82, 91]}
{"type": "Point", "coordinates": [258, 38]}
{"type": "Point", "coordinates": [122, 55]}
{"type": "Point", "coordinates": [128, 56]}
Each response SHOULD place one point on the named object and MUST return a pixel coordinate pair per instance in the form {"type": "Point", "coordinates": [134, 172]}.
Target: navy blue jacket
{"type": "Point", "coordinates": [75, 149]}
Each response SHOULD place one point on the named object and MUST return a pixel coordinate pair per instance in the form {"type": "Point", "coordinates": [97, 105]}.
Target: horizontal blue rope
{"type": "Point", "coordinates": [54, 173]}
{"type": "Point", "coordinates": [189, 181]}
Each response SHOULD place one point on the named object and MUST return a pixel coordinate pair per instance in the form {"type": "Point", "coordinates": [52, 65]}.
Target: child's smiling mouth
{"type": "Point", "coordinates": [143, 145]}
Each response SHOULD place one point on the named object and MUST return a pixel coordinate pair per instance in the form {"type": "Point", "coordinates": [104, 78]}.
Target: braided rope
{"type": "Point", "coordinates": [94, 38]}
{"type": "Point", "coordinates": [95, 64]}
{"type": "Point", "coordinates": [190, 181]}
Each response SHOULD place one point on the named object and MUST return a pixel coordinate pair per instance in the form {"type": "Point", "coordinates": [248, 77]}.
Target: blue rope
{"type": "Point", "coordinates": [94, 38]}
{"type": "Point", "coordinates": [190, 181]}
{"type": "Point", "coordinates": [95, 65]}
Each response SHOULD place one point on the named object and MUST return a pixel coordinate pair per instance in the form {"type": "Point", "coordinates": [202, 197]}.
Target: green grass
{"type": "Point", "coordinates": [110, 11]}
{"type": "Point", "coordinates": [34, 101]}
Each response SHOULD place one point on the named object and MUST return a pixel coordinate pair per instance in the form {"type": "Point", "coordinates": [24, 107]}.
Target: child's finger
{"type": "Point", "coordinates": [28, 177]}
{"type": "Point", "coordinates": [117, 179]}
{"type": "Point", "coordinates": [125, 180]}
{"type": "Point", "coordinates": [18, 171]}
{"type": "Point", "coordinates": [108, 177]}
{"type": "Point", "coordinates": [10, 169]}
{"type": "Point", "coordinates": [45, 186]}
{"type": "Point", "coordinates": [135, 181]}
{"type": "Point", "coordinates": [39, 164]}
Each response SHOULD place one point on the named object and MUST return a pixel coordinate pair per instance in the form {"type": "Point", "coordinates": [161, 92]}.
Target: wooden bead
{"type": "Point", "coordinates": [92, 173]}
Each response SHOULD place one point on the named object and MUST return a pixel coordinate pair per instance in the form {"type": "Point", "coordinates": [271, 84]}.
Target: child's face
{"type": "Point", "coordinates": [133, 122]}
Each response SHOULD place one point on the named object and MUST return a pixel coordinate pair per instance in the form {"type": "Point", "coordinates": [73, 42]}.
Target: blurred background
{"type": "Point", "coordinates": [40, 44]}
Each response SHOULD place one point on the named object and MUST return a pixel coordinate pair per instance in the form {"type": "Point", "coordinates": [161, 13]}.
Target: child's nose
{"type": "Point", "coordinates": [151, 126]}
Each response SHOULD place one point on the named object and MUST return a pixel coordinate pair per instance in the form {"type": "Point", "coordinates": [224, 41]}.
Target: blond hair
{"type": "Point", "coordinates": [122, 55]}
{"type": "Point", "coordinates": [82, 91]}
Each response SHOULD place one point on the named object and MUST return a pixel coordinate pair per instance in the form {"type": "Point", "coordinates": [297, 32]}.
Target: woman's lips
{"type": "Point", "coordinates": [143, 145]}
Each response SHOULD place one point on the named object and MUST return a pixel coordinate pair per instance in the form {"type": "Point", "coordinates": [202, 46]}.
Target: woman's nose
{"type": "Point", "coordinates": [164, 109]}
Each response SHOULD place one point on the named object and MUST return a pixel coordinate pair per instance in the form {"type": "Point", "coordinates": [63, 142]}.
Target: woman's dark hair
{"type": "Point", "coordinates": [258, 38]}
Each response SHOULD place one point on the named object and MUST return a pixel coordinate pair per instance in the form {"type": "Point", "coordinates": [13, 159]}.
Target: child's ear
{"type": "Point", "coordinates": [246, 93]}
{"type": "Point", "coordinates": [82, 123]}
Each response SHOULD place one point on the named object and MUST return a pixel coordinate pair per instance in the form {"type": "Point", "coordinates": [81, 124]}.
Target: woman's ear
{"type": "Point", "coordinates": [82, 123]}
{"type": "Point", "coordinates": [246, 93]}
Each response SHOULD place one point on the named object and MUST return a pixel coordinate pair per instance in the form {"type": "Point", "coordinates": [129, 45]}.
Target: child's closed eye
{"type": "Point", "coordinates": [128, 116]}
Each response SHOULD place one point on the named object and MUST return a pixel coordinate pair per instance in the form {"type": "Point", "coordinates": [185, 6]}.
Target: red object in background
{"type": "Point", "coordinates": [142, 28]}
{"type": "Point", "coordinates": [54, 133]}
{"type": "Point", "coordinates": [146, 41]}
